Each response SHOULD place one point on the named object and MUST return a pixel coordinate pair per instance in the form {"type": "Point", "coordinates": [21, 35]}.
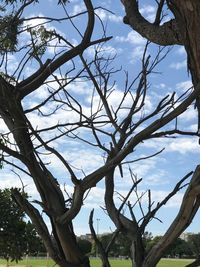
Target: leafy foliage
{"type": "Point", "coordinates": [16, 236]}
{"type": "Point", "coordinates": [40, 37]}
{"type": "Point", "coordinates": [121, 246]}
{"type": "Point", "coordinates": [9, 26]}
{"type": "Point", "coordinates": [85, 246]}
{"type": "Point", "coordinates": [34, 243]}
{"type": "Point", "coordinates": [194, 243]}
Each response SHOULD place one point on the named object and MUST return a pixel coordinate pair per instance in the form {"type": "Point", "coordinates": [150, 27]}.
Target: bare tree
{"type": "Point", "coordinates": [182, 29]}
{"type": "Point", "coordinates": [115, 131]}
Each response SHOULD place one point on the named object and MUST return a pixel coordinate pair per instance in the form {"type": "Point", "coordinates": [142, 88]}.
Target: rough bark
{"type": "Point", "coordinates": [187, 15]}
{"type": "Point", "coordinates": [182, 30]}
{"type": "Point", "coordinates": [166, 34]}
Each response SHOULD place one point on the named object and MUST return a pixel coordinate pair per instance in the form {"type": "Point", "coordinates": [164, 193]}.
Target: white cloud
{"type": "Point", "coordinates": [189, 114]}
{"type": "Point", "coordinates": [11, 64]}
{"type": "Point", "coordinates": [179, 65]}
{"type": "Point", "coordinates": [162, 85]}
{"type": "Point", "coordinates": [174, 202]}
{"type": "Point", "coordinates": [77, 9]}
{"type": "Point", "coordinates": [132, 37]}
{"type": "Point", "coordinates": [181, 50]}
{"type": "Point", "coordinates": [35, 21]}
{"type": "Point", "coordinates": [105, 15]}
{"type": "Point", "coordinates": [148, 11]}
{"type": "Point", "coordinates": [193, 127]}
{"type": "Point", "coordinates": [86, 160]}
{"type": "Point", "coordinates": [95, 198]}
{"type": "Point", "coordinates": [181, 145]}
{"type": "Point", "coordinates": [115, 18]}
{"type": "Point", "coordinates": [9, 180]}
{"type": "Point", "coordinates": [137, 54]}
{"type": "Point", "coordinates": [183, 86]}
{"type": "Point", "coordinates": [156, 179]}
{"type": "Point", "coordinates": [106, 50]}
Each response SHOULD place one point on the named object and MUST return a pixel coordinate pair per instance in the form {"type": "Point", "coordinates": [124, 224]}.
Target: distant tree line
{"type": "Point", "coordinates": [189, 248]}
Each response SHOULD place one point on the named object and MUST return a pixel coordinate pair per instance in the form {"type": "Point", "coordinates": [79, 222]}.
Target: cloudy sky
{"type": "Point", "coordinates": [160, 173]}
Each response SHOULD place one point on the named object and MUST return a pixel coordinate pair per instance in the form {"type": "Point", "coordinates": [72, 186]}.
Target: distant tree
{"type": "Point", "coordinates": [152, 243]}
{"type": "Point", "coordinates": [17, 237]}
{"type": "Point", "coordinates": [121, 246]}
{"type": "Point", "coordinates": [12, 228]}
{"type": "Point", "coordinates": [179, 248]}
{"type": "Point", "coordinates": [194, 243]}
{"type": "Point", "coordinates": [148, 240]}
{"type": "Point", "coordinates": [85, 245]}
{"type": "Point", "coordinates": [34, 244]}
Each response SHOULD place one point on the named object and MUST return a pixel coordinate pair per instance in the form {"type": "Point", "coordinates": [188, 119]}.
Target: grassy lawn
{"type": "Point", "coordinates": [126, 263]}
{"type": "Point", "coordinates": [97, 263]}
{"type": "Point", "coordinates": [173, 263]}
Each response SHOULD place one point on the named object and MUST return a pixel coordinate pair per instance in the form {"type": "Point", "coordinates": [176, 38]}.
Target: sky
{"type": "Point", "coordinates": [160, 173]}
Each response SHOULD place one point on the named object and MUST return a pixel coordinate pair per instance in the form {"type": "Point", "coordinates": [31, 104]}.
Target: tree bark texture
{"type": "Point", "coordinates": [187, 14]}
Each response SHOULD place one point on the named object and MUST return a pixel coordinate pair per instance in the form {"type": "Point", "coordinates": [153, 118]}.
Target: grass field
{"type": "Point", "coordinates": [97, 263]}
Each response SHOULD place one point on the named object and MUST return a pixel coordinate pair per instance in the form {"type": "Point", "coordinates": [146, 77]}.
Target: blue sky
{"type": "Point", "coordinates": [161, 173]}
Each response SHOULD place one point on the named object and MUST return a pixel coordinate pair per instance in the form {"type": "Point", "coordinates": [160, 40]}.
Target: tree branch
{"type": "Point", "coordinates": [36, 80]}
{"type": "Point", "coordinates": [166, 34]}
{"type": "Point", "coordinates": [189, 207]}
{"type": "Point", "coordinates": [103, 252]}
{"type": "Point", "coordinates": [37, 219]}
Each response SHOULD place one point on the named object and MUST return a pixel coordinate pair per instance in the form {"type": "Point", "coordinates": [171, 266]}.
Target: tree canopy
{"type": "Point", "coordinates": [17, 237]}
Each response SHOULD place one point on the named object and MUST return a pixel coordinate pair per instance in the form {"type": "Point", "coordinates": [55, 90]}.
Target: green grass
{"type": "Point", "coordinates": [173, 263]}
{"type": "Point", "coordinates": [114, 263]}
{"type": "Point", "coordinates": [127, 263]}
{"type": "Point", "coordinates": [97, 263]}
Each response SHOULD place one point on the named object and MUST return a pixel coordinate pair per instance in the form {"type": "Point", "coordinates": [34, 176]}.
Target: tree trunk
{"type": "Point", "coordinates": [137, 252]}
{"type": "Point", "coordinates": [66, 252]}
{"type": "Point", "coordinates": [187, 14]}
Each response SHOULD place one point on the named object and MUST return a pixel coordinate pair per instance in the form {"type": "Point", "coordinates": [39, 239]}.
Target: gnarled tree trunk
{"type": "Point", "coordinates": [187, 15]}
